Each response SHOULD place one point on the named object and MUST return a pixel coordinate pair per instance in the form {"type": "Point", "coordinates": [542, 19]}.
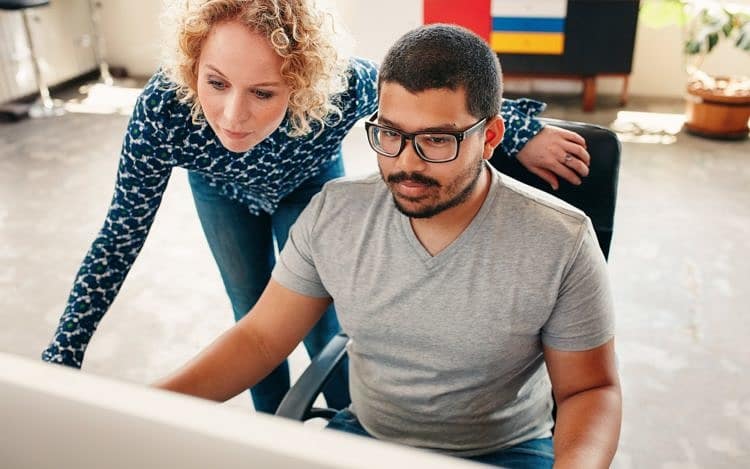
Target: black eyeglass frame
{"type": "Point", "coordinates": [459, 135]}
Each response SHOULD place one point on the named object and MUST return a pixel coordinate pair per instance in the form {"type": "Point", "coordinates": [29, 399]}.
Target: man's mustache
{"type": "Point", "coordinates": [395, 178]}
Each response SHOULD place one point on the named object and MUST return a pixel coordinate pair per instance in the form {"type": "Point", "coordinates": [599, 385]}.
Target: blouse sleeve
{"type": "Point", "coordinates": [141, 180]}
{"type": "Point", "coordinates": [521, 124]}
{"type": "Point", "coordinates": [361, 97]}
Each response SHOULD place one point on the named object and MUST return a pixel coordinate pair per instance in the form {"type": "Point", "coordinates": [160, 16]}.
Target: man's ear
{"type": "Point", "coordinates": [494, 129]}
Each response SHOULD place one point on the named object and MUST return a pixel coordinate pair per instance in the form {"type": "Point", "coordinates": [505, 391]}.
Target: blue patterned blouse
{"type": "Point", "coordinates": [161, 136]}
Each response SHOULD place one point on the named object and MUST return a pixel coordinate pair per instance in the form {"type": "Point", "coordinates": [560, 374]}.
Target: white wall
{"type": "Point", "coordinates": [658, 68]}
{"type": "Point", "coordinates": [658, 65]}
{"type": "Point", "coordinates": [133, 40]}
{"type": "Point", "coordinates": [132, 34]}
{"type": "Point", "coordinates": [373, 24]}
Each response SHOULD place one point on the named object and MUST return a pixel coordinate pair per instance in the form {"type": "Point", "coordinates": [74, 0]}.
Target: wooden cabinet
{"type": "Point", "coordinates": [599, 40]}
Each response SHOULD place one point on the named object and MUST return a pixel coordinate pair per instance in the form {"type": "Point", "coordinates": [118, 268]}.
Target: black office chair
{"type": "Point", "coordinates": [596, 197]}
{"type": "Point", "coordinates": [46, 106]}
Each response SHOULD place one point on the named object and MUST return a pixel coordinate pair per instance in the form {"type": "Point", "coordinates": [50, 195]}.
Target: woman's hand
{"type": "Point", "coordinates": [555, 152]}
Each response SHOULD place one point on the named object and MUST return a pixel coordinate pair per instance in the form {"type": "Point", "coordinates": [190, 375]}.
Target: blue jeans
{"type": "Point", "coordinates": [532, 454]}
{"type": "Point", "coordinates": [243, 246]}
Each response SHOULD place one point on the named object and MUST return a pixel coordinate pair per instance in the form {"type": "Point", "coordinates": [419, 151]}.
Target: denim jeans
{"type": "Point", "coordinates": [532, 454]}
{"type": "Point", "coordinates": [243, 247]}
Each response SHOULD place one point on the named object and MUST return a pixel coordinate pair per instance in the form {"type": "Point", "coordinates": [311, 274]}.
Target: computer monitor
{"type": "Point", "coordinates": [56, 417]}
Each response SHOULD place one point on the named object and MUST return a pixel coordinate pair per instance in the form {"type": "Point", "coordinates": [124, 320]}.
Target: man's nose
{"type": "Point", "coordinates": [409, 161]}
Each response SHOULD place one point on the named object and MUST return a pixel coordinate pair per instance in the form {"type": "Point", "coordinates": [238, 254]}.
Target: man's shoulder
{"type": "Point", "coordinates": [354, 187]}
{"type": "Point", "coordinates": [523, 202]}
{"type": "Point", "coordinates": [346, 202]}
{"type": "Point", "coordinates": [537, 225]}
{"type": "Point", "coordinates": [351, 195]}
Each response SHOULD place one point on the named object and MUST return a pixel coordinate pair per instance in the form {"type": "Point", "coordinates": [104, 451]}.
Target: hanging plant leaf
{"type": "Point", "coordinates": [706, 38]}
{"type": "Point", "coordinates": [713, 39]}
{"type": "Point", "coordinates": [692, 47]}
{"type": "Point", "coordinates": [743, 41]}
{"type": "Point", "coordinates": [727, 28]}
{"type": "Point", "coordinates": [743, 32]}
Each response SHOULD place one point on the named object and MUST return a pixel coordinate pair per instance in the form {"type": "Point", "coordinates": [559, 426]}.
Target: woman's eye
{"type": "Point", "coordinates": [217, 85]}
{"type": "Point", "coordinates": [389, 133]}
{"type": "Point", "coordinates": [262, 94]}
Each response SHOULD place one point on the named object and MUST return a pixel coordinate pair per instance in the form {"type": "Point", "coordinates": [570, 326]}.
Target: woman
{"type": "Point", "coordinates": [254, 104]}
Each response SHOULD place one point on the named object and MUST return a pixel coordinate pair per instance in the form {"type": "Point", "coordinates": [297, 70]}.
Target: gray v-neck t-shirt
{"type": "Point", "coordinates": [446, 350]}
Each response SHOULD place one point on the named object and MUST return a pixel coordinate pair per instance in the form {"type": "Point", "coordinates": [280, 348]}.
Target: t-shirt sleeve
{"type": "Point", "coordinates": [583, 316]}
{"type": "Point", "coordinates": [296, 268]}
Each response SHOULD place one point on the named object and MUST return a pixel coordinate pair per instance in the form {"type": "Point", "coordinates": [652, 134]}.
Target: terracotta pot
{"type": "Point", "coordinates": [712, 113]}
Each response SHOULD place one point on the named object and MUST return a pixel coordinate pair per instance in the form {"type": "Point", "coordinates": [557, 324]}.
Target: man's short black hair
{"type": "Point", "coordinates": [446, 56]}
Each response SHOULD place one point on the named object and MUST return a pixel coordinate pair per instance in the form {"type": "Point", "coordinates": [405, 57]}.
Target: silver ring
{"type": "Point", "coordinates": [568, 157]}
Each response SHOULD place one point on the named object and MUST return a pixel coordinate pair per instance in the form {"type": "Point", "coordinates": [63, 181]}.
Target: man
{"type": "Point", "coordinates": [456, 285]}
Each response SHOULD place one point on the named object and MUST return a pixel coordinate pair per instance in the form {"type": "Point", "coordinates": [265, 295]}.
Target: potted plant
{"type": "Point", "coordinates": [717, 106]}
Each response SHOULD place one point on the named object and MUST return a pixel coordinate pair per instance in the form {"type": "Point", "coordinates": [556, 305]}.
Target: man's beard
{"type": "Point", "coordinates": [472, 174]}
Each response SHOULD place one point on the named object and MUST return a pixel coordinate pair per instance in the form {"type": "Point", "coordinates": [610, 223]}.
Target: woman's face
{"type": "Point", "coordinates": [240, 88]}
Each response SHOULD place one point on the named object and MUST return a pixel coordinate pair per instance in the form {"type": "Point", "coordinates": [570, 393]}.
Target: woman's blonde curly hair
{"type": "Point", "coordinates": [297, 31]}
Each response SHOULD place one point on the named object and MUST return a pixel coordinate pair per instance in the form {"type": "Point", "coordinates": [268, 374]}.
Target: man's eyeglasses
{"type": "Point", "coordinates": [432, 146]}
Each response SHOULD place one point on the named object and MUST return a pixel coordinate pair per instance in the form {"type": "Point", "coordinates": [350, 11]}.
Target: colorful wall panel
{"type": "Point", "coordinates": [528, 27]}
{"type": "Point", "coordinates": [510, 26]}
{"type": "Point", "coordinates": [471, 14]}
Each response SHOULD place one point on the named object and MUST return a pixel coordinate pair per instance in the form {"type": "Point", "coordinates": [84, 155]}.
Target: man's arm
{"type": "Point", "coordinates": [589, 406]}
{"type": "Point", "coordinates": [252, 348]}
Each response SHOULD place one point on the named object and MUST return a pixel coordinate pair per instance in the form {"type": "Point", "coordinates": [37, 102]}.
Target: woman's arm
{"type": "Point", "coordinates": [141, 180]}
{"type": "Point", "coordinates": [545, 150]}
{"type": "Point", "coordinates": [361, 98]}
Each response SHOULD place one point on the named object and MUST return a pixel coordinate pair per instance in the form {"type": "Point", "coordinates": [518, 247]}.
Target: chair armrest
{"type": "Point", "coordinates": [297, 404]}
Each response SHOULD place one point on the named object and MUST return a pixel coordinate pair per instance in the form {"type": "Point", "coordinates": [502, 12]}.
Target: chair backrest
{"type": "Point", "coordinates": [21, 4]}
{"type": "Point", "coordinates": [597, 194]}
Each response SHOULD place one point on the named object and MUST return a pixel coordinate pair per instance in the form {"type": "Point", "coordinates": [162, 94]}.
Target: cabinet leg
{"type": "Point", "coordinates": [624, 95]}
{"type": "Point", "coordinates": [589, 93]}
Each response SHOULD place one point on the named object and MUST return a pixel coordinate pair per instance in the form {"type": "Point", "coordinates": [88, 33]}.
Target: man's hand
{"type": "Point", "coordinates": [556, 152]}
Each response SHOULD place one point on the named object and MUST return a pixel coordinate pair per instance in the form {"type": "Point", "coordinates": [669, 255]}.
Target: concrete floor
{"type": "Point", "coordinates": [679, 267]}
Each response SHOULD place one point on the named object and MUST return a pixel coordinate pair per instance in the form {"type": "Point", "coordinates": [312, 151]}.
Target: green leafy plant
{"type": "Point", "coordinates": [706, 23]}
{"type": "Point", "coordinates": [713, 22]}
